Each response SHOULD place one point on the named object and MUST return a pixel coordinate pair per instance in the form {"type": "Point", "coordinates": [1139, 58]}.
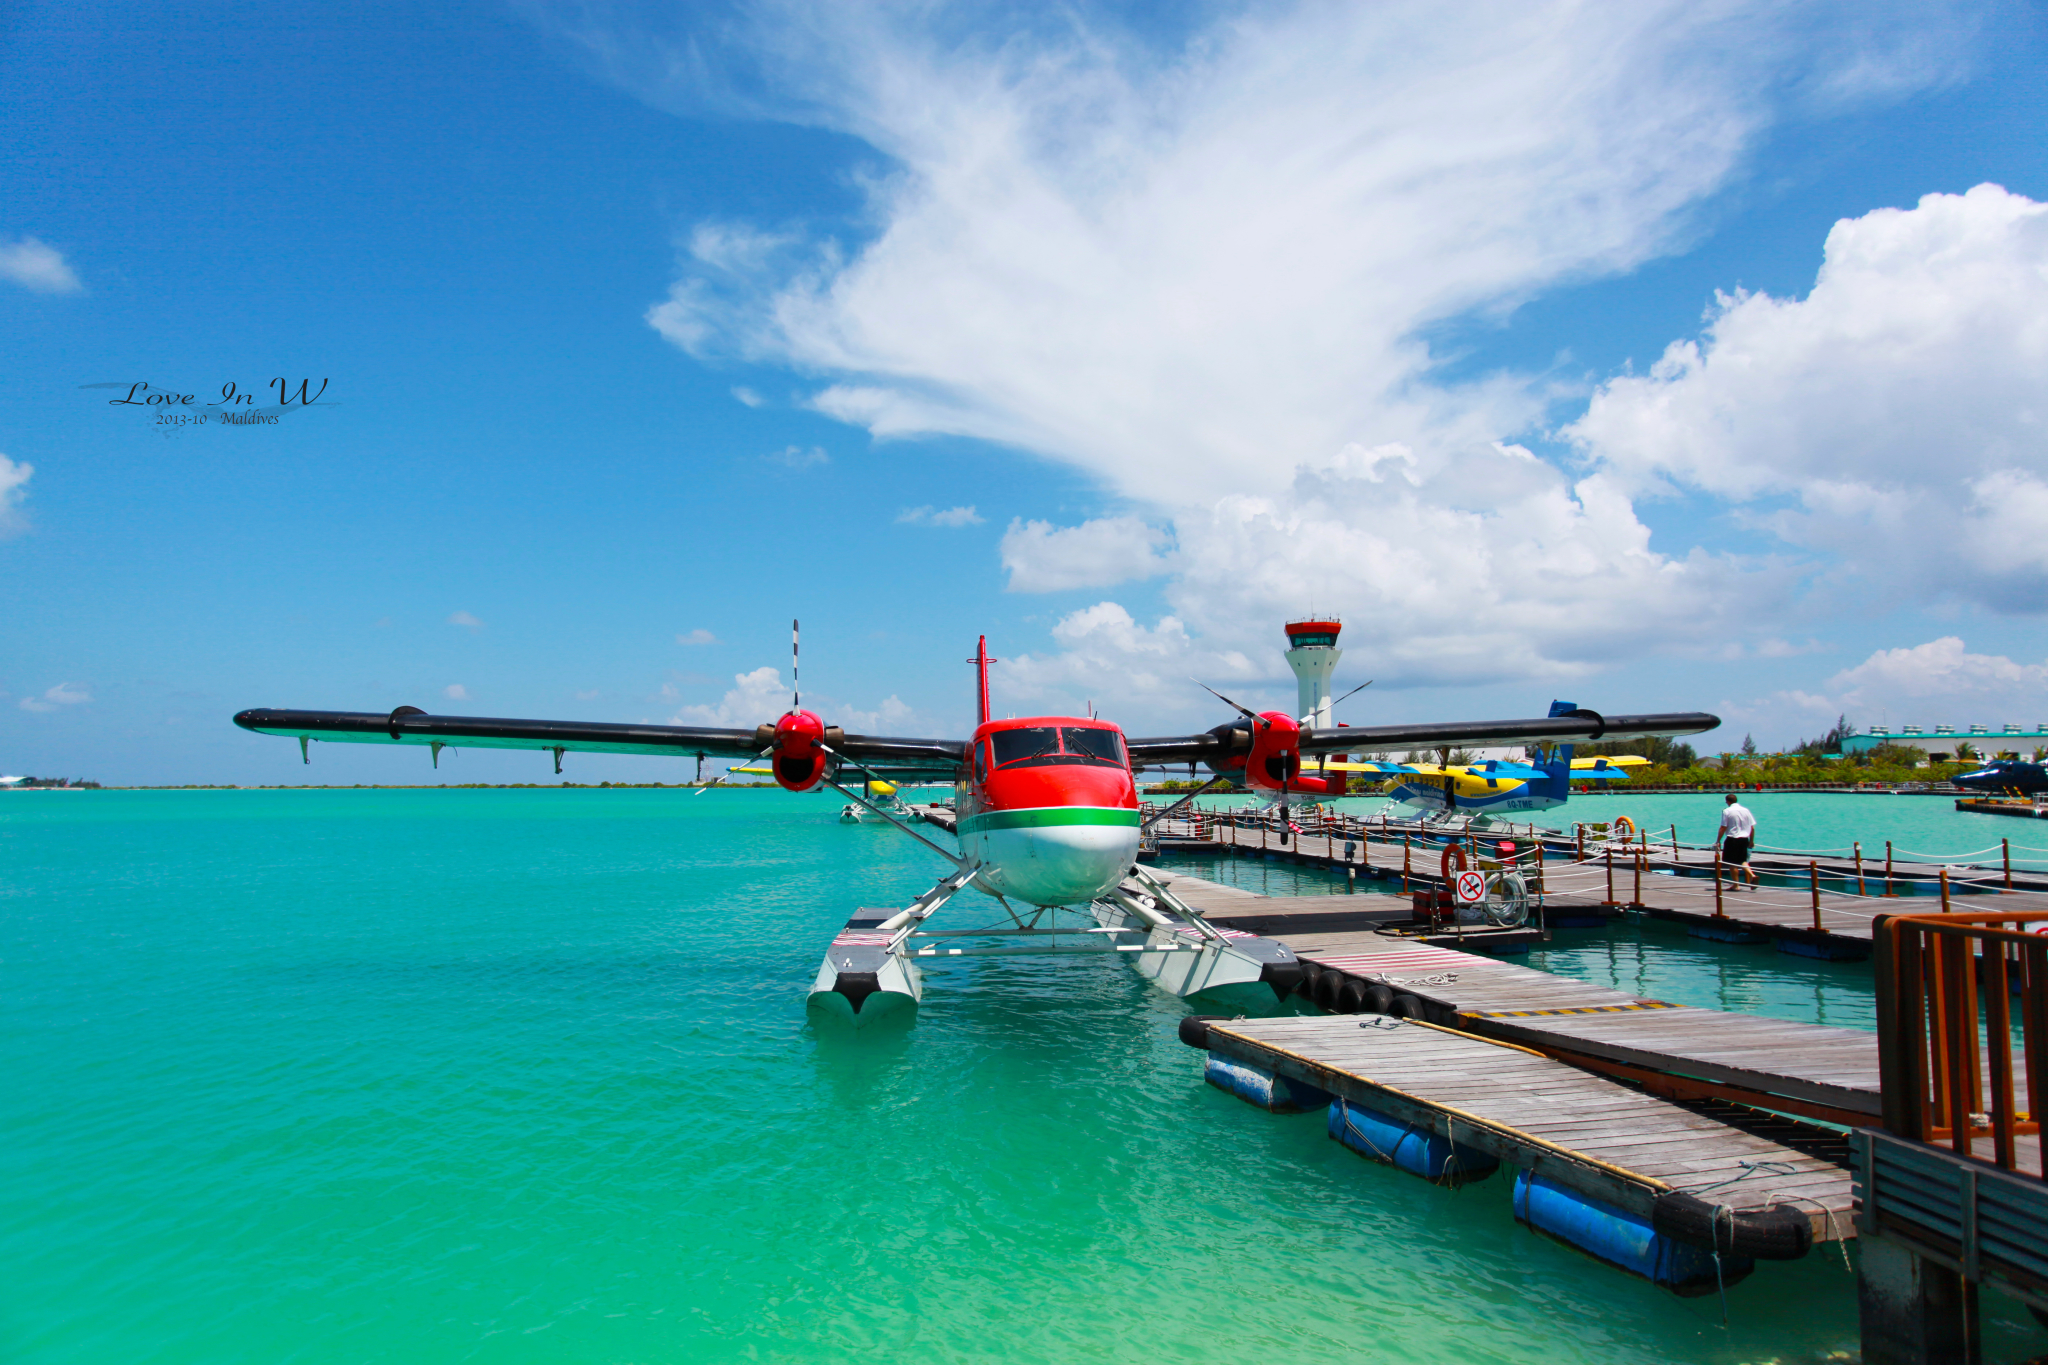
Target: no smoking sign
{"type": "Point", "coordinates": [1471, 886]}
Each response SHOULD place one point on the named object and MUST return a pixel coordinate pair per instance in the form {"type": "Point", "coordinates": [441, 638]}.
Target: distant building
{"type": "Point", "coordinates": [2010, 738]}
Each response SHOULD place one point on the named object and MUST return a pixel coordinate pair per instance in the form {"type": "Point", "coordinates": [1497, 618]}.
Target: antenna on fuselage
{"type": "Point", "coordinates": [981, 661]}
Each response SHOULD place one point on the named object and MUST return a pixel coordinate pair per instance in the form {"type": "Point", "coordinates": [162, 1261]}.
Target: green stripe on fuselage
{"type": "Point", "coordinates": [1045, 816]}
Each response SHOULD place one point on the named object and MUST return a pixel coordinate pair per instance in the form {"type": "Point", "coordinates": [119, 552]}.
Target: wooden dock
{"type": "Point", "coordinates": [1826, 917]}
{"type": "Point", "coordinates": [1599, 1139]}
{"type": "Point", "coordinates": [1815, 1070]}
{"type": "Point", "coordinates": [1614, 1143]}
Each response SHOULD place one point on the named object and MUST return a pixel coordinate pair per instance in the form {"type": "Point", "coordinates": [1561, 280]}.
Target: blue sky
{"type": "Point", "coordinates": [641, 326]}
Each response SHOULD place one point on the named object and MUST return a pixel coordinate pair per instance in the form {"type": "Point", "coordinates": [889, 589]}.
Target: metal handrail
{"type": "Point", "coordinates": [1946, 989]}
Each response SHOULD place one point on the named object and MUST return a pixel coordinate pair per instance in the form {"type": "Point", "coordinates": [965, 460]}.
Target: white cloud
{"type": "Point", "coordinates": [456, 692]}
{"type": "Point", "coordinates": [950, 516]}
{"type": "Point", "coordinates": [588, 696]}
{"type": "Point", "coordinates": [796, 457]}
{"type": "Point", "coordinates": [699, 636]}
{"type": "Point", "coordinates": [32, 265]}
{"type": "Point", "coordinates": [13, 490]}
{"type": "Point", "coordinates": [755, 697]}
{"type": "Point", "coordinates": [747, 396]}
{"type": "Point", "coordinates": [1198, 273]}
{"type": "Point", "coordinates": [63, 694]}
{"type": "Point", "coordinates": [1901, 404]}
{"type": "Point", "coordinates": [466, 621]}
{"type": "Point", "coordinates": [761, 696]}
{"type": "Point", "coordinates": [1096, 554]}
{"type": "Point", "coordinates": [1943, 673]}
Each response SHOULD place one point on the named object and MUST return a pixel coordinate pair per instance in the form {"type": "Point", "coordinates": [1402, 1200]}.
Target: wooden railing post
{"type": "Point", "coordinates": [1859, 869]}
{"type": "Point", "coordinates": [1407, 859]}
{"type": "Point", "coordinates": [1813, 878]}
{"type": "Point", "coordinates": [1944, 888]}
{"type": "Point", "coordinates": [1674, 846]}
{"type": "Point", "coordinates": [1719, 913]}
{"type": "Point", "coordinates": [1610, 876]}
{"type": "Point", "coordinates": [2006, 846]}
{"type": "Point", "coordinates": [1888, 868]}
{"type": "Point", "coordinates": [1582, 842]}
{"type": "Point", "coordinates": [1639, 878]}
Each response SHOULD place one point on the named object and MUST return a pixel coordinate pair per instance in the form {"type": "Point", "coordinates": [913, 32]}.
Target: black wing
{"type": "Point", "coordinates": [1577, 727]}
{"type": "Point", "coordinates": [408, 725]}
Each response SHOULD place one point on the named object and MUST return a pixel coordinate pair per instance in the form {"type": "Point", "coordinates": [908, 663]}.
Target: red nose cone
{"type": "Point", "coordinates": [796, 732]}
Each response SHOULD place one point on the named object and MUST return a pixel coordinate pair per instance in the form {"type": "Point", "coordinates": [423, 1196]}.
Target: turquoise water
{"type": "Point", "coordinates": [1929, 828]}
{"type": "Point", "coordinates": [526, 1076]}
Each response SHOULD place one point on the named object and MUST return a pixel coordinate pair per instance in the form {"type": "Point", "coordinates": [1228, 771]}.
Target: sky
{"type": "Point", "coordinates": [1653, 357]}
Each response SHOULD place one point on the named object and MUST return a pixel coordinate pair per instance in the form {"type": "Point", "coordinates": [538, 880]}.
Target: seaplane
{"type": "Point", "coordinates": [1497, 786]}
{"type": "Point", "coordinates": [1045, 814]}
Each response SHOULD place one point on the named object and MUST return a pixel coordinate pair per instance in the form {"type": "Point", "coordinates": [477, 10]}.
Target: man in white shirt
{"type": "Point", "coordinates": [1737, 834]}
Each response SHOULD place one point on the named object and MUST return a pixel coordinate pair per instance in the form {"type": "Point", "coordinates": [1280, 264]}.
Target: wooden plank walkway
{"type": "Point", "coordinates": [1662, 888]}
{"type": "Point", "coordinates": [1585, 1132]}
{"type": "Point", "coordinates": [1816, 1070]}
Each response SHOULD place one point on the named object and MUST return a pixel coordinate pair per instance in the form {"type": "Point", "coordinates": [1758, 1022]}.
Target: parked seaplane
{"type": "Point", "coordinates": [1497, 787]}
{"type": "Point", "coordinates": [1046, 814]}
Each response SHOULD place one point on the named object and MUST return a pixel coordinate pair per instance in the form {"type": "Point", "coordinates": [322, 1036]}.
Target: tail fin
{"type": "Point", "coordinates": [1559, 784]}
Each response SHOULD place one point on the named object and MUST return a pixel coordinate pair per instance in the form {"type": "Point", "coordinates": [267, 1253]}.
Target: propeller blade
{"type": "Point", "coordinates": [1352, 693]}
{"type": "Point", "coordinates": [1242, 709]}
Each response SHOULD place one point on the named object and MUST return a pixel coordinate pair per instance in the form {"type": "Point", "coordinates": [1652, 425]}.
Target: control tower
{"type": "Point", "coordinates": [1312, 653]}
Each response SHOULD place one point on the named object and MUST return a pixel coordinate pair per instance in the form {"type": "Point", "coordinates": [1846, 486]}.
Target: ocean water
{"type": "Point", "coordinates": [313, 1076]}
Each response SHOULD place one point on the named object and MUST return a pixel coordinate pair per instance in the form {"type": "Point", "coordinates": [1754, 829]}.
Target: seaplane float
{"type": "Point", "coordinates": [1045, 815]}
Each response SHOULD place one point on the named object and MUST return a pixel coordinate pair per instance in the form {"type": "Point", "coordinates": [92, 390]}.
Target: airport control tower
{"type": "Point", "coordinates": [1312, 653]}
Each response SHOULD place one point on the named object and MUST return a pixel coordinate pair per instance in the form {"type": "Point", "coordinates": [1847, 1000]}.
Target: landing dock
{"type": "Point", "coordinates": [1815, 907]}
{"type": "Point", "coordinates": [1815, 1070]}
{"type": "Point", "coordinates": [1669, 1171]}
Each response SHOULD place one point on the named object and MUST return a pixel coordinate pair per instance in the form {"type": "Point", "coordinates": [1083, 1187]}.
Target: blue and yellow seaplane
{"type": "Point", "coordinates": [1498, 787]}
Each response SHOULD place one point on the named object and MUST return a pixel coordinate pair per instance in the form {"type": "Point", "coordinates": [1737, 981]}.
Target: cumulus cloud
{"type": "Point", "coordinates": [13, 490]}
{"type": "Point", "coordinates": [928, 516]}
{"type": "Point", "coordinates": [699, 636]}
{"type": "Point", "coordinates": [1199, 271]}
{"type": "Point", "coordinates": [1041, 557]}
{"type": "Point", "coordinates": [466, 621]}
{"type": "Point", "coordinates": [761, 695]}
{"type": "Point", "coordinates": [455, 692]}
{"type": "Point", "coordinates": [796, 457]}
{"type": "Point", "coordinates": [63, 694]}
{"type": "Point", "coordinates": [33, 265]}
{"type": "Point", "coordinates": [747, 396]}
{"type": "Point", "coordinates": [1900, 405]}
{"type": "Point", "coordinates": [1943, 673]}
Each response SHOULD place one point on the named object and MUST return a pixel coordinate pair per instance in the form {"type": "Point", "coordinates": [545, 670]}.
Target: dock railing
{"type": "Point", "coordinates": [1950, 990]}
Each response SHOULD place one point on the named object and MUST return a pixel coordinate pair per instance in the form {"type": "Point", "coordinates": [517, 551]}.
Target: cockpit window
{"type": "Point", "coordinates": [1041, 745]}
{"type": "Point", "coordinates": [1015, 746]}
{"type": "Point", "coordinates": [1096, 746]}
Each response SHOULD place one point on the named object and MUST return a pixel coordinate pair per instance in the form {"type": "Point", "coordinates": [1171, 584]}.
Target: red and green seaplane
{"type": "Point", "coordinates": [1046, 814]}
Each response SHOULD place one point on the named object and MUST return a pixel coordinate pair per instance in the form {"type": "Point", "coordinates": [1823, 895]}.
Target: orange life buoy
{"type": "Point", "coordinates": [1622, 822]}
{"type": "Point", "coordinates": [1452, 851]}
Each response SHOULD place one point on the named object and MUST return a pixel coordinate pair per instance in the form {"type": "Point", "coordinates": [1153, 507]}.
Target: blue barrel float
{"type": "Point", "coordinates": [1622, 1238]}
{"type": "Point", "coordinates": [1411, 1147]}
{"type": "Point", "coordinates": [1280, 1094]}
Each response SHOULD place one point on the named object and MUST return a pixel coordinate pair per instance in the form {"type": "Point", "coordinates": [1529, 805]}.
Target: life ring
{"type": "Point", "coordinates": [1623, 823]}
{"type": "Point", "coordinates": [1451, 851]}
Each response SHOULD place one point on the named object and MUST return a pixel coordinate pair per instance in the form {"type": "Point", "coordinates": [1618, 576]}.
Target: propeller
{"type": "Point", "coordinates": [1240, 707]}
{"type": "Point", "coordinates": [796, 696]}
{"type": "Point", "coordinates": [1352, 693]}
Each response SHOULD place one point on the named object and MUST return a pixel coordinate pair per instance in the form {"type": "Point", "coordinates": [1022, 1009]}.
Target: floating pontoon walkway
{"type": "Point", "coordinates": [1630, 1167]}
{"type": "Point", "coordinates": [1815, 1070]}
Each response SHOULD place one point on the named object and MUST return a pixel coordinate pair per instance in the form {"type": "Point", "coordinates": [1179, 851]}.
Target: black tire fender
{"type": "Point", "coordinates": [1405, 1007]}
{"type": "Point", "coordinates": [1379, 997]}
{"type": "Point", "coordinates": [1782, 1232]}
{"type": "Point", "coordinates": [1351, 996]}
{"type": "Point", "coordinates": [1194, 1029]}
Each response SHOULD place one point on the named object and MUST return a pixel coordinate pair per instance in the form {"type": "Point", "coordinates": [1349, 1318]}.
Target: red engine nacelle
{"type": "Point", "coordinates": [798, 760]}
{"type": "Point", "coordinates": [1275, 759]}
